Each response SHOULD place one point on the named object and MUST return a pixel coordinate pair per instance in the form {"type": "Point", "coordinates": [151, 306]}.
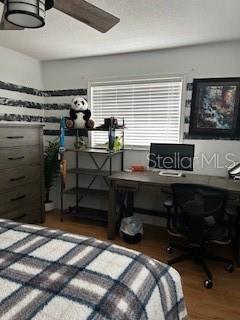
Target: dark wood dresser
{"type": "Point", "coordinates": [21, 172]}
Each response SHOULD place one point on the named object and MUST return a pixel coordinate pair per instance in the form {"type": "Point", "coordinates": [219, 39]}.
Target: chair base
{"type": "Point", "coordinates": [198, 255]}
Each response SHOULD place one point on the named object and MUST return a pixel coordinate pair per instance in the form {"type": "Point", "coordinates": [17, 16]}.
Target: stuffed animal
{"type": "Point", "coordinates": [80, 114]}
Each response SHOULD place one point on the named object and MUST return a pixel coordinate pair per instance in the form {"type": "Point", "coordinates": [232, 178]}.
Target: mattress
{"type": "Point", "coordinates": [53, 275]}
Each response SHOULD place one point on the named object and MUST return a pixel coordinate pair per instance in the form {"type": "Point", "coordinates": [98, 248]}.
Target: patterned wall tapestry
{"type": "Point", "coordinates": [19, 103]}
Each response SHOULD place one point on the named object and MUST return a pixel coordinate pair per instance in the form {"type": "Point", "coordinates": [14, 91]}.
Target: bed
{"type": "Point", "coordinates": [52, 275]}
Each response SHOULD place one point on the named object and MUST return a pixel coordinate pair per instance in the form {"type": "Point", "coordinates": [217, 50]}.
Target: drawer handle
{"type": "Point", "coordinates": [18, 198]}
{"type": "Point", "coordinates": [15, 137]}
{"type": "Point", "coordinates": [17, 179]}
{"type": "Point", "coordinates": [17, 158]}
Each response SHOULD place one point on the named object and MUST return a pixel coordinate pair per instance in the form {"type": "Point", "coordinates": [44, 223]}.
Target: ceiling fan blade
{"type": "Point", "coordinates": [88, 14]}
{"type": "Point", "coordinates": [4, 24]}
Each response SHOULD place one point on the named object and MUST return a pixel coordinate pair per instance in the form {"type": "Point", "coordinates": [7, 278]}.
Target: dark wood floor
{"type": "Point", "coordinates": [221, 302]}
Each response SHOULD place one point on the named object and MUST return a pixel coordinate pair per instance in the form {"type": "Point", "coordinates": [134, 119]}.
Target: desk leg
{"type": "Point", "coordinates": [112, 214]}
{"type": "Point", "coordinates": [130, 204]}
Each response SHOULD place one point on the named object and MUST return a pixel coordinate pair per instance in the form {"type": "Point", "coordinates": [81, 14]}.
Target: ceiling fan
{"type": "Point", "coordinates": [21, 14]}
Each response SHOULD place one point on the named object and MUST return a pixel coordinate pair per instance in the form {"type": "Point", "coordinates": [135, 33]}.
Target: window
{"type": "Point", "coordinates": [151, 110]}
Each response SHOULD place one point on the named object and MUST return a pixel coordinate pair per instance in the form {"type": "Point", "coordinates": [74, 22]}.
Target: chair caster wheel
{"type": "Point", "coordinates": [229, 268]}
{"type": "Point", "coordinates": [169, 250]}
{"type": "Point", "coordinates": [208, 284]}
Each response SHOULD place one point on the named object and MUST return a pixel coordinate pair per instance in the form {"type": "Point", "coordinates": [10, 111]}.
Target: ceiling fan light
{"type": "Point", "coordinates": [26, 13]}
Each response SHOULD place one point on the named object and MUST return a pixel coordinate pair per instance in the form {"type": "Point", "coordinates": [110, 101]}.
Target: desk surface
{"type": "Point", "coordinates": [153, 178]}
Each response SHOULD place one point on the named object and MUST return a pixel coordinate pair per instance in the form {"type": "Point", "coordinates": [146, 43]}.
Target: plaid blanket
{"type": "Point", "coordinates": [52, 275]}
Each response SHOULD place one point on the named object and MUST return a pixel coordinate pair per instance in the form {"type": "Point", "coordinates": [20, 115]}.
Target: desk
{"type": "Point", "coordinates": [150, 182]}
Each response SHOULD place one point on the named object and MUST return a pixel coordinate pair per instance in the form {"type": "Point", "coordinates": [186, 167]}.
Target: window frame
{"type": "Point", "coordinates": [143, 80]}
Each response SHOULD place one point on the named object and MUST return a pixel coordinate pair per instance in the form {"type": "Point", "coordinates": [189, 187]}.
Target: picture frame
{"type": "Point", "coordinates": [215, 108]}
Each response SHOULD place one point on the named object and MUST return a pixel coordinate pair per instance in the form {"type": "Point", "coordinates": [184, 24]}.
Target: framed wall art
{"type": "Point", "coordinates": [215, 108]}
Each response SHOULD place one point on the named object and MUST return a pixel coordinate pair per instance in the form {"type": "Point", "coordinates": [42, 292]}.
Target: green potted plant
{"type": "Point", "coordinates": [51, 170]}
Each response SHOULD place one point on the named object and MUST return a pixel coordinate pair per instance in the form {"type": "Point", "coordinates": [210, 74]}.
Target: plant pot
{"type": "Point", "coordinates": [49, 206]}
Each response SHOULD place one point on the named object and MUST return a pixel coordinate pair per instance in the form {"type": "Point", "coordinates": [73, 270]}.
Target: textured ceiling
{"type": "Point", "coordinates": [144, 25]}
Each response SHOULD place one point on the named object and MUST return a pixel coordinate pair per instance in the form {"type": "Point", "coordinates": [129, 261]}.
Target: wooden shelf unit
{"type": "Point", "coordinates": [79, 191]}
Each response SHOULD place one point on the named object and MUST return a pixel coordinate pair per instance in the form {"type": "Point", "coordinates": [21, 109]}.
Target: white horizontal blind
{"type": "Point", "coordinates": [151, 110]}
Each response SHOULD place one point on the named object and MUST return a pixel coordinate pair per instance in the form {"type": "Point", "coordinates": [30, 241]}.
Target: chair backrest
{"type": "Point", "coordinates": [198, 209]}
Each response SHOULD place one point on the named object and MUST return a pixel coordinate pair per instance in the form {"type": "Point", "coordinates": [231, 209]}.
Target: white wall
{"type": "Point", "coordinates": [20, 69]}
{"type": "Point", "coordinates": [213, 60]}
{"type": "Point", "coordinates": [18, 72]}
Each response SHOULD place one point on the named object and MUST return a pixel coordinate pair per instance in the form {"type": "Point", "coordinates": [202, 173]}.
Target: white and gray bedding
{"type": "Point", "coordinates": [52, 275]}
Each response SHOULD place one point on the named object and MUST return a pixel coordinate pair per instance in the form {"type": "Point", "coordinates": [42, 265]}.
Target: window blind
{"type": "Point", "coordinates": [151, 110]}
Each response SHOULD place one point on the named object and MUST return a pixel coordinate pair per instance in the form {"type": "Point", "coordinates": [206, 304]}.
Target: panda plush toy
{"type": "Point", "coordinates": [80, 114]}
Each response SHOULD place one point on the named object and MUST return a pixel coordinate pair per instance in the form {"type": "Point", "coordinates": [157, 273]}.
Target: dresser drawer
{"type": "Point", "coordinates": [19, 136]}
{"type": "Point", "coordinates": [15, 157]}
{"type": "Point", "coordinates": [29, 214]}
{"type": "Point", "coordinates": [20, 197]}
{"type": "Point", "coordinates": [15, 177]}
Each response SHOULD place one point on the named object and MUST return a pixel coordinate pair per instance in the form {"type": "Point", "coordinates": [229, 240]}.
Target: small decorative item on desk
{"type": "Point", "coordinates": [80, 144]}
{"type": "Point", "coordinates": [138, 168]}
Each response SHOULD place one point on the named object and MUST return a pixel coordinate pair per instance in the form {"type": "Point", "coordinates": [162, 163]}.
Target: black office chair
{"type": "Point", "coordinates": [199, 216]}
